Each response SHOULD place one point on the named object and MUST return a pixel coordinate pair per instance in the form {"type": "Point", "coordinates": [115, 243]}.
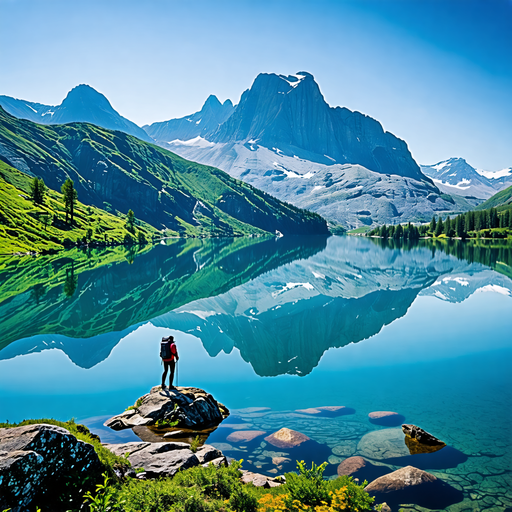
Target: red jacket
{"type": "Point", "coordinates": [174, 352]}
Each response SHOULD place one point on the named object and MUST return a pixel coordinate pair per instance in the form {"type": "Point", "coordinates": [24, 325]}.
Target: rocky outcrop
{"type": "Point", "coordinates": [360, 468]}
{"type": "Point", "coordinates": [412, 485]}
{"type": "Point", "coordinates": [386, 418]}
{"type": "Point", "coordinates": [420, 441]}
{"type": "Point", "coordinates": [192, 408]}
{"type": "Point", "coordinates": [165, 459]}
{"type": "Point", "coordinates": [44, 464]}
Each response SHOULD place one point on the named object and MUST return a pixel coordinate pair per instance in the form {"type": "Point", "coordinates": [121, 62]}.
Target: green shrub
{"type": "Point", "coordinates": [308, 486]}
{"type": "Point", "coordinates": [242, 500]}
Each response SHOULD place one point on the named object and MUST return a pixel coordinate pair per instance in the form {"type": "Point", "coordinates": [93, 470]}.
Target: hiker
{"type": "Point", "coordinates": [169, 355]}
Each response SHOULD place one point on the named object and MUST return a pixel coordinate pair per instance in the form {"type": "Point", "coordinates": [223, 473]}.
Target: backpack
{"type": "Point", "coordinates": [165, 349]}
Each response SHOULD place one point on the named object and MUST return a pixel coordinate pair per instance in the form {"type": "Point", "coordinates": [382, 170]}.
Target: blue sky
{"type": "Point", "coordinates": [436, 73]}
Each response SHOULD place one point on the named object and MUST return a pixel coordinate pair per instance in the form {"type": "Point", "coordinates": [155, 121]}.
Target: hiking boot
{"type": "Point", "coordinates": [163, 386]}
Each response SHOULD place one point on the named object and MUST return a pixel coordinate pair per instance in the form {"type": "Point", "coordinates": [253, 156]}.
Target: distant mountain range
{"type": "Point", "coordinates": [285, 139]}
{"type": "Point", "coordinates": [456, 176]}
{"type": "Point", "coordinates": [118, 172]}
{"type": "Point", "coordinates": [82, 104]}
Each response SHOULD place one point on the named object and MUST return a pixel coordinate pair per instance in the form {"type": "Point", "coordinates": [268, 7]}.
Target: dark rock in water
{"type": "Point", "coordinates": [327, 411]}
{"type": "Point", "coordinates": [286, 438]}
{"type": "Point", "coordinates": [294, 446]}
{"type": "Point", "coordinates": [386, 418]}
{"type": "Point", "coordinates": [420, 441]}
{"type": "Point", "coordinates": [191, 407]}
{"type": "Point", "coordinates": [412, 485]}
{"type": "Point", "coordinates": [360, 468]}
{"type": "Point", "coordinates": [164, 459]}
{"type": "Point", "coordinates": [44, 464]}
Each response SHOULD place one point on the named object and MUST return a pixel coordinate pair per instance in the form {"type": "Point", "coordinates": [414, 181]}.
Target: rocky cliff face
{"type": "Point", "coordinates": [82, 104]}
{"type": "Point", "coordinates": [290, 113]}
{"type": "Point", "coordinates": [207, 120]}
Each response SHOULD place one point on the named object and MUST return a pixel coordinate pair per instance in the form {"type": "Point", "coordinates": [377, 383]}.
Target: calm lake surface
{"type": "Point", "coordinates": [281, 325]}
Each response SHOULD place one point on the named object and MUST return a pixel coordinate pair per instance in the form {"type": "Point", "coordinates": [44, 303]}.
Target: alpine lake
{"type": "Point", "coordinates": [274, 329]}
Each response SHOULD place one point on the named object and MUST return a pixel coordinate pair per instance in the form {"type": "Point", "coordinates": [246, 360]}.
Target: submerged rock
{"type": "Point", "coordinates": [386, 418]}
{"type": "Point", "coordinates": [360, 468]}
{"type": "Point", "coordinates": [420, 441]}
{"type": "Point", "coordinates": [327, 411]}
{"type": "Point", "coordinates": [244, 436]}
{"type": "Point", "coordinates": [44, 463]}
{"type": "Point", "coordinates": [286, 438]}
{"type": "Point", "coordinates": [192, 408]}
{"type": "Point", "coordinates": [412, 485]}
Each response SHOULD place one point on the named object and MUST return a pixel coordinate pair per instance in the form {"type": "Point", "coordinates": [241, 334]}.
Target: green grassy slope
{"type": "Point", "coordinates": [502, 198]}
{"type": "Point", "coordinates": [116, 172]}
{"type": "Point", "coordinates": [27, 227]}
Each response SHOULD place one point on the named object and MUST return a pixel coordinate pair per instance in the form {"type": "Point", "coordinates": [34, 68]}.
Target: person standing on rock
{"type": "Point", "coordinates": [169, 355]}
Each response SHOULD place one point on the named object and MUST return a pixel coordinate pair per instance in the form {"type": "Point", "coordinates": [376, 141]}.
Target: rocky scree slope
{"type": "Point", "coordinates": [116, 171]}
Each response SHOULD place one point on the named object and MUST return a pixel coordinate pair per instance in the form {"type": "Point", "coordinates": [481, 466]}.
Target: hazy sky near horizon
{"type": "Point", "coordinates": [436, 73]}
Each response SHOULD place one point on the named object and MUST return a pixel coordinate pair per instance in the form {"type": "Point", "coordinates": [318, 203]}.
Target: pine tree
{"type": "Point", "coordinates": [384, 231]}
{"type": "Point", "coordinates": [439, 227]}
{"type": "Point", "coordinates": [459, 226]}
{"type": "Point", "coordinates": [130, 221]}
{"type": "Point", "coordinates": [70, 198]}
{"type": "Point", "coordinates": [37, 190]}
{"type": "Point", "coordinates": [399, 231]}
{"type": "Point", "coordinates": [447, 226]}
{"type": "Point", "coordinates": [433, 224]}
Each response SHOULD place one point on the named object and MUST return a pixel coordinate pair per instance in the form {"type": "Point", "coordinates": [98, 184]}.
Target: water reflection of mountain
{"type": "Point", "coordinates": [282, 303]}
{"type": "Point", "coordinates": [114, 297]}
{"type": "Point", "coordinates": [283, 322]}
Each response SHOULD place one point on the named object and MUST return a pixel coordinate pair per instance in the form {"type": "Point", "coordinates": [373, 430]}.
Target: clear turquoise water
{"type": "Point", "coordinates": [350, 323]}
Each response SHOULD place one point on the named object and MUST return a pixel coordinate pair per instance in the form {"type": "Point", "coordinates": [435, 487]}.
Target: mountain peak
{"type": "Point", "coordinates": [213, 102]}
{"type": "Point", "coordinates": [86, 94]}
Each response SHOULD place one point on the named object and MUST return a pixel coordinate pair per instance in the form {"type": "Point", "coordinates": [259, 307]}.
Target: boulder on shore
{"type": "Point", "coordinates": [166, 459]}
{"type": "Point", "coordinates": [192, 408]}
{"type": "Point", "coordinates": [412, 485]}
{"type": "Point", "coordinates": [47, 464]}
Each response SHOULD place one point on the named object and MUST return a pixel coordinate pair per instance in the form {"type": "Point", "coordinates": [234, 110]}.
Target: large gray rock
{"type": "Point", "coordinates": [44, 465]}
{"type": "Point", "coordinates": [412, 485]}
{"type": "Point", "coordinates": [191, 407]}
{"type": "Point", "coordinates": [165, 459]}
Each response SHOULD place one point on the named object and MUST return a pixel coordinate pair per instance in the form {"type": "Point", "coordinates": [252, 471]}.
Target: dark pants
{"type": "Point", "coordinates": [168, 365]}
